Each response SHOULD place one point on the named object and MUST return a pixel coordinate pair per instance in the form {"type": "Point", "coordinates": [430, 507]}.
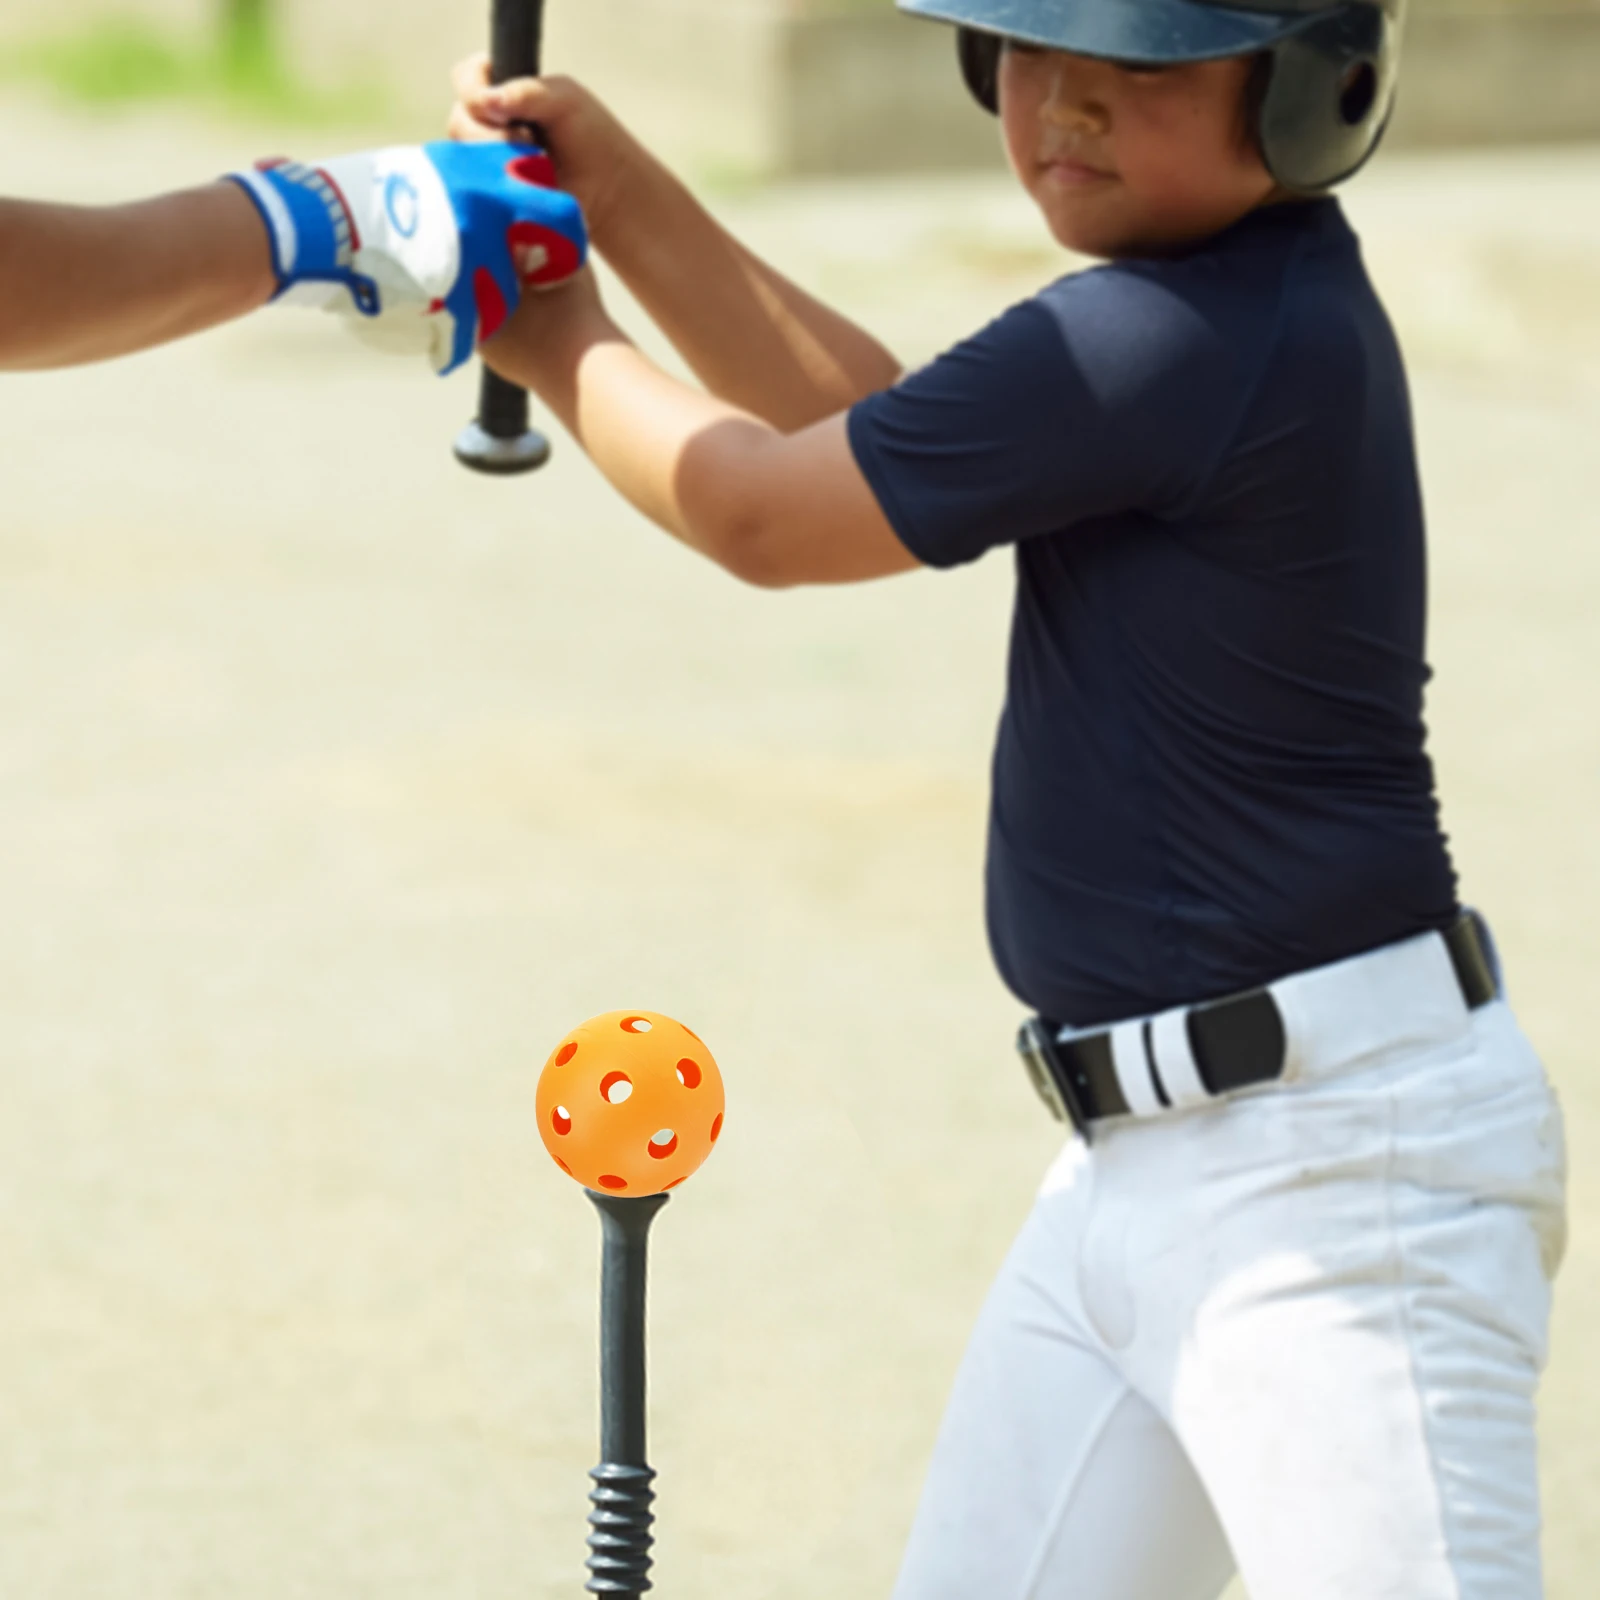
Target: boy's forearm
{"type": "Point", "coordinates": [751, 336]}
{"type": "Point", "coordinates": [86, 283]}
{"type": "Point", "coordinates": [649, 434]}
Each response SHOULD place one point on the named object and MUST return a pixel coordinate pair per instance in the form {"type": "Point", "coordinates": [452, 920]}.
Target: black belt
{"type": "Point", "coordinates": [1236, 1041]}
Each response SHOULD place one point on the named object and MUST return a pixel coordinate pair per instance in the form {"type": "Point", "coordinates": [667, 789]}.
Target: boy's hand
{"type": "Point", "coordinates": [431, 244]}
{"type": "Point", "coordinates": [592, 151]}
{"type": "Point", "coordinates": [550, 332]}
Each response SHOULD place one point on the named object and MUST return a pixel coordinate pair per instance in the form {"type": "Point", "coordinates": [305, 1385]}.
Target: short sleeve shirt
{"type": "Point", "coordinates": [1210, 768]}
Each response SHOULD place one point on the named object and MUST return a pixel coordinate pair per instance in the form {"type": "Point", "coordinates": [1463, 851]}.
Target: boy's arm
{"type": "Point", "coordinates": [751, 336]}
{"type": "Point", "coordinates": [774, 508]}
{"type": "Point", "coordinates": [81, 283]}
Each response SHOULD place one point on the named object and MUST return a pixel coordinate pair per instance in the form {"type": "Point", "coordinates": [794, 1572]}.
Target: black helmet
{"type": "Point", "coordinates": [1329, 84]}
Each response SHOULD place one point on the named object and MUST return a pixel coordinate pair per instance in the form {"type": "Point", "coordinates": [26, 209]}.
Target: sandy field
{"type": "Point", "coordinates": [337, 785]}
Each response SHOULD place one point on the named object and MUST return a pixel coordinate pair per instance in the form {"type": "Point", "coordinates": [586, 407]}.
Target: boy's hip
{"type": "Point", "coordinates": [1329, 1301]}
{"type": "Point", "coordinates": [1427, 1168]}
{"type": "Point", "coordinates": [1321, 1023]}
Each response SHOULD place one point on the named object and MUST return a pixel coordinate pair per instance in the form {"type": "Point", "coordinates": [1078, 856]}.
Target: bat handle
{"type": "Point", "coordinates": [500, 442]}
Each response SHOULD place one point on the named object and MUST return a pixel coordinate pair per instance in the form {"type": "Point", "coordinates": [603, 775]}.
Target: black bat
{"type": "Point", "coordinates": [500, 441]}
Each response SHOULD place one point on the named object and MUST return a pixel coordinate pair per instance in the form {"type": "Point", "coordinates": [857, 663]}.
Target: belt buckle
{"type": "Point", "coordinates": [1050, 1078]}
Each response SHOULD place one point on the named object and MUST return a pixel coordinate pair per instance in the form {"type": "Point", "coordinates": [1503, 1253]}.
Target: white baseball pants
{"type": "Point", "coordinates": [1295, 1333]}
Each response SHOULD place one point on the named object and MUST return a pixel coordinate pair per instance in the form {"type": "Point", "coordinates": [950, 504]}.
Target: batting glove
{"type": "Point", "coordinates": [429, 245]}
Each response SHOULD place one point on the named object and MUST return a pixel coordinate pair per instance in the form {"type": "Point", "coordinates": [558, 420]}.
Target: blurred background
{"type": "Point", "coordinates": [337, 785]}
{"type": "Point", "coordinates": [741, 88]}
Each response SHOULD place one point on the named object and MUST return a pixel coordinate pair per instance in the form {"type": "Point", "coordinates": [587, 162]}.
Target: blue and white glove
{"type": "Point", "coordinates": [430, 244]}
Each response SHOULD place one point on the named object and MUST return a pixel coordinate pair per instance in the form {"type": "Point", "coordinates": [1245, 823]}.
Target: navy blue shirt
{"type": "Point", "coordinates": [1210, 768]}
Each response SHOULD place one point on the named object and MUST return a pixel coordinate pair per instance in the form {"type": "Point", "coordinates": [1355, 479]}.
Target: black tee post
{"type": "Point", "coordinates": [619, 1524]}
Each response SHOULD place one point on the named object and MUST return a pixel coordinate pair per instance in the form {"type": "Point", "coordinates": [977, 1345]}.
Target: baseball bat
{"type": "Point", "coordinates": [500, 441]}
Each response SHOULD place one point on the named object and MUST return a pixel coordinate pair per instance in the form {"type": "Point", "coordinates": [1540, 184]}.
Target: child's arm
{"type": "Point", "coordinates": [751, 336]}
{"type": "Point", "coordinates": [420, 246]}
{"type": "Point", "coordinates": [81, 283]}
{"type": "Point", "coordinates": [774, 508]}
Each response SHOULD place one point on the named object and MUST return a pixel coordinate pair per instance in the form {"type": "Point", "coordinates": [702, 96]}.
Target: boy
{"type": "Point", "coordinates": [1283, 1306]}
{"type": "Point", "coordinates": [425, 248]}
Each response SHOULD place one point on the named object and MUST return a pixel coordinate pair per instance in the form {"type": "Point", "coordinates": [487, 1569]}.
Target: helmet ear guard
{"type": "Point", "coordinates": [979, 56]}
{"type": "Point", "coordinates": [1328, 98]}
{"type": "Point", "coordinates": [1329, 90]}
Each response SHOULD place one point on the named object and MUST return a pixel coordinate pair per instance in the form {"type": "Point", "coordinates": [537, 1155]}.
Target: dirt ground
{"type": "Point", "coordinates": [337, 785]}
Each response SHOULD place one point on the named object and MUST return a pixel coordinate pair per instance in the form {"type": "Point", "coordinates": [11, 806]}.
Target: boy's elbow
{"type": "Point", "coordinates": [748, 546]}
{"type": "Point", "coordinates": [757, 562]}
{"type": "Point", "coordinates": [733, 485]}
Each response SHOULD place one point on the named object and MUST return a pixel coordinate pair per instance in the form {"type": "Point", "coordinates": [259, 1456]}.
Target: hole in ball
{"type": "Point", "coordinates": [689, 1073]}
{"type": "Point", "coordinates": [565, 1054]}
{"type": "Point", "coordinates": [716, 1128]}
{"type": "Point", "coordinates": [636, 1025]}
{"type": "Point", "coordinates": [673, 1185]}
{"type": "Point", "coordinates": [561, 1120]}
{"type": "Point", "coordinates": [662, 1144]}
{"type": "Point", "coordinates": [615, 1087]}
{"type": "Point", "coordinates": [611, 1181]}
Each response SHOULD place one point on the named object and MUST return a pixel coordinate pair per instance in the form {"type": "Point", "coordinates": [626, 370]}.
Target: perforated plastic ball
{"type": "Point", "coordinates": [630, 1103]}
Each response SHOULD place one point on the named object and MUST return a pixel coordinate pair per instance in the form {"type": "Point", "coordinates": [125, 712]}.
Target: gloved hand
{"type": "Point", "coordinates": [430, 245]}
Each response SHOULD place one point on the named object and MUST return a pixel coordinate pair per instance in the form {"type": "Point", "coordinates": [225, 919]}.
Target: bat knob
{"type": "Point", "coordinates": [485, 452]}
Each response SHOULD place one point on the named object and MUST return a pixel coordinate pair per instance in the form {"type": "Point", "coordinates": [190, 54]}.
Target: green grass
{"type": "Point", "coordinates": [123, 61]}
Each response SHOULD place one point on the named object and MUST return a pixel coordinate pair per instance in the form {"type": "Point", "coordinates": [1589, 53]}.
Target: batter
{"type": "Point", "coordinates": [1281, 1306]}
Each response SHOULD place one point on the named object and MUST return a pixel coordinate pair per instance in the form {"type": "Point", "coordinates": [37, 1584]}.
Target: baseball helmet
{"type": "Point", "coordinates": [1329, 77]}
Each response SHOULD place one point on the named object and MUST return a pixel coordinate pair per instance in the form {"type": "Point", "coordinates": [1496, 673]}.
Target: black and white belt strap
{"type": "Point", "coordinates": [1187, 1056]}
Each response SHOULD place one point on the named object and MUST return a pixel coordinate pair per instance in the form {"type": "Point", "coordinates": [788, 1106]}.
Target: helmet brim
{"type": "Point", "coordinates": [1143, 32]}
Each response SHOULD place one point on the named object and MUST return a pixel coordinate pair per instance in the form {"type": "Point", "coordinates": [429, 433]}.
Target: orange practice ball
{"type": "Point", "coordinates": [630, 1103]}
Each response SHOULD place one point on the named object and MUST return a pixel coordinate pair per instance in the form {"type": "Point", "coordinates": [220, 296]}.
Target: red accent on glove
{"type": "Point", "coordinates": [491, 304]}
{"type": "Point", "coordinates": [536, 168]}
{"type": "Point", "coordinates": [561, 254]}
